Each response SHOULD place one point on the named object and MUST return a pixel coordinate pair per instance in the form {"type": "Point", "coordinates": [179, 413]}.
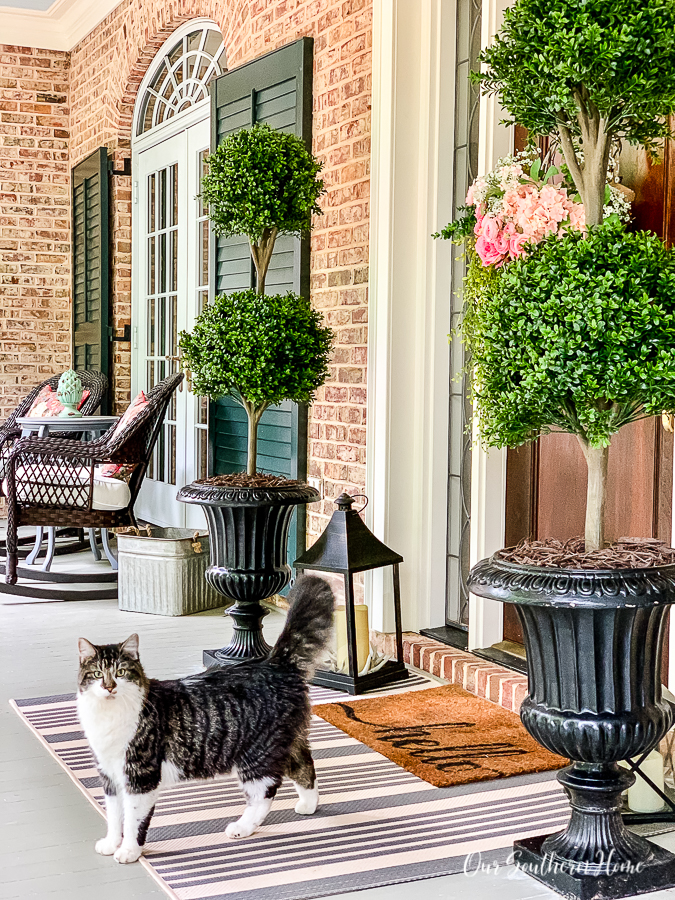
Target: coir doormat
{"type": "Point", "coordinates": [444, 735]}
{"type": "Point", "coordinates": [376, 824]}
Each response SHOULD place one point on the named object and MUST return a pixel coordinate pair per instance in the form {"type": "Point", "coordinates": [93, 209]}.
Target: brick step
{"type": "Point", "coordinates": [480, 677]}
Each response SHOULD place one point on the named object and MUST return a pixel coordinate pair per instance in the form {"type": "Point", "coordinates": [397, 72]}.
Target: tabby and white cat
{"type": "Point", "coordinates": [251, 719]}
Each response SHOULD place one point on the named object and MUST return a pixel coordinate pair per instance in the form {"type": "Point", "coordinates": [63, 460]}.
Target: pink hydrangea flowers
{"type": "Point", "coordinates": [514, 208]}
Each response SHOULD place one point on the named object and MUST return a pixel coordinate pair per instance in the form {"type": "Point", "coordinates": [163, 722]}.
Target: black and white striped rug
{"type": "Point", "coordinates": [376, 824]}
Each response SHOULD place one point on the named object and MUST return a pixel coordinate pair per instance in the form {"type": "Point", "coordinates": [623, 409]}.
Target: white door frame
{"type": "Point", "coordinates": [414, 49]}
{"type": "Point", "coordinates": [488, 469]}
{"type": "Point", "coordinates": [171, 129]}
{"type": "Point", "coordinates": [409, 303]}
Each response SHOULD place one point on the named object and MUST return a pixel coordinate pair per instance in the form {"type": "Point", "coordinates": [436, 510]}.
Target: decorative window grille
{"type": "Point", "coordinates": [183, 76]}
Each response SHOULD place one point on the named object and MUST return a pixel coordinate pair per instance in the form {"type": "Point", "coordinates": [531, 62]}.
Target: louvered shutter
{"type": "Point", "coordinates": [276, 89]}
{"type": "Point", "coordinates": [90, 232]}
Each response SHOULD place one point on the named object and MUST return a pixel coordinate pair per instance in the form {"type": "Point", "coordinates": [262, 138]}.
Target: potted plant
{"type": "Point", "coordinates": [260, 350]}
{"type": "Point", "coordinates": [569, 321]}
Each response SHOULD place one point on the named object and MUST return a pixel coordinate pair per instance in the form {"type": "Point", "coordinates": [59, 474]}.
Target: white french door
{"type": "Point", "coordinates": [170, 277]}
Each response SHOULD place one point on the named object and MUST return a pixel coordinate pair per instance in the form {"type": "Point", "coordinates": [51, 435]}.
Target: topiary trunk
{"type": "Point", "coordinates": [591, 181]}
{"type": "Point", "coordinates": [596, 493]}
{"type": "Point", "coordinates": [261, 251]}
{"type": "Point", "coordinates": [591, 176]}
{"type": "Point", "coordinates": [254, 414]}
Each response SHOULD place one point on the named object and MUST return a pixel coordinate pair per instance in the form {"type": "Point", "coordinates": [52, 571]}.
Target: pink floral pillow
{"type": "Point", "coordinates": [112, 470]}
{"type": "Point", "coordinates": [48, 404]}
{"type": "Point", "coordinates": [136, 406]}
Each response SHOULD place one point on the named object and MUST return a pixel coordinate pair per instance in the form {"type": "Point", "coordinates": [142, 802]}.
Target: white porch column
{"type": "Point", "coordinates": [409, 302]}
{"type": "Point", "coordinates": [488, 470]}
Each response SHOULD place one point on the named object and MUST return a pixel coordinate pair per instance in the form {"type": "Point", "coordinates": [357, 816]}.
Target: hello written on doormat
{"type": "Point", "coordinates": [445, 735]}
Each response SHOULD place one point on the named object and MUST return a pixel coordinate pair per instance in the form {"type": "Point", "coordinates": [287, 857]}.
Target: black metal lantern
{"type": "Point", "coordinates": [347, 547]}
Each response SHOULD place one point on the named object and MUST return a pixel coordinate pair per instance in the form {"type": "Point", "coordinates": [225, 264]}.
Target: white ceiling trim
{"type": "Point", "coordinates": [60, 27]}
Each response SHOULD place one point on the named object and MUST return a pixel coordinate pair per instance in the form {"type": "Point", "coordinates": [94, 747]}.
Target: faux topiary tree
{"type": "Point", "coordinates": [256, 349]}
{"type": "Point", "coordinates": [580, 336]}
{"type": "Point", "coordinates": [260, 351]}
{"type": "Point", "coordinates": [577, 335]}
{"type": "Point", "coordinates": [586, 70]}
{"type": "Point", "coordinates": [262, 183]}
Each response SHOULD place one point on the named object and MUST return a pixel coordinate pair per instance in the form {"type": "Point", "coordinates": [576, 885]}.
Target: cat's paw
{"type": "Point", "coordinates": [308, 802]}
{"type": "Point", "coordinates": [106, 846]}
{"type": "Point", "coordinates": [128, 854]}
{"type": "Point", "coordinates": [237, 830]}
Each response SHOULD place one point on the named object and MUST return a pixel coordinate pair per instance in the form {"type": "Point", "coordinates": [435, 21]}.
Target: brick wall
{"type": "Point", "coordinates": [34, 220]}
{"type": "Point", "coordinates": [101, 83]}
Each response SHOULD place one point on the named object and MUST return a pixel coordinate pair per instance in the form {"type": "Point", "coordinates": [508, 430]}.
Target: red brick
{"type": "Point", "coordinates": [66, 105]}
{"type": "Point", "coordinates": [38, 257]}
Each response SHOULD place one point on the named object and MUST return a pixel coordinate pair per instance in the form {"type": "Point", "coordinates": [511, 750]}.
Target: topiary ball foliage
{"type": "Point", "coordinates": [261, 349]}
{"type": "Point", "coordinates": [261, 178]}
{"type": "Point", "coordinates": [613, 56]}
{"type": "Point", "coordinates": [579, 335]}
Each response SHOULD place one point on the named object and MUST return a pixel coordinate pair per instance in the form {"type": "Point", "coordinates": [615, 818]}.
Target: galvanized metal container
{"type": "Point", "coordinates": [165, 574]}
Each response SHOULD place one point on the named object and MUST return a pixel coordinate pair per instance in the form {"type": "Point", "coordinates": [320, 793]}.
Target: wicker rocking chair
{"type": "Point", "coordinates": [94, 382]}
{"type": "Point", "coordinates": [51, 481]}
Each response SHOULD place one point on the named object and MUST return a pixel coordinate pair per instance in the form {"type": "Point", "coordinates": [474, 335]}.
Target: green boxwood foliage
{"type": "Point", "coordinates": [264, 349]}
{"type": "Point", "coordinates": [261, 178]}
{"type": "Point", "coordinates": [579, 335]}
{"type": "Point", "coordinates": [586, 69]}
{"type": "Point", "coordinates": [261, 183]}
{"type": "Point", "coordinates": [259, 350]}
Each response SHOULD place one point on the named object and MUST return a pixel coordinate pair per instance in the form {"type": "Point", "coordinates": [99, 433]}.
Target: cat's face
{"type": "Point", "coordinates": [110, 670]}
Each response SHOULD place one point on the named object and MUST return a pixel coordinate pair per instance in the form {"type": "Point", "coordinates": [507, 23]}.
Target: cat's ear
{"type": "Point", "coordinates": [130, 646]}
{"type": "Point", "coordinates": [86, 648]}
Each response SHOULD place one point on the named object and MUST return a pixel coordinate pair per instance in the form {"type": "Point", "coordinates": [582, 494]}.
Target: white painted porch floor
{"type": "Point", "coordinates": [47, 829]}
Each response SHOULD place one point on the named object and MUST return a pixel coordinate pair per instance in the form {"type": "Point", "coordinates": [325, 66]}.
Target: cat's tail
{"type": "Point", "coordinates": [308, 625]}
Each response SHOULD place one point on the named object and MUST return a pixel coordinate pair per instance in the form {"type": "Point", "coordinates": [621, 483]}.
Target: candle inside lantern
{"type": "Point", "coordinates": [362, 636]}
{"type": "Point", "coordinates": [641, 797]}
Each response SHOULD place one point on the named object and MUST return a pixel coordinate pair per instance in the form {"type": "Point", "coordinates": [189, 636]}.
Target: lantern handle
{"type": "Point", "coordinates": [364, 505]}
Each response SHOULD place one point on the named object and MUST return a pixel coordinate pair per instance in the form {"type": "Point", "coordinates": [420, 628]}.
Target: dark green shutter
{"type": "Point", "coordinates": [90, 263]}
{"type": "Point", "coordinates": [276, 89]}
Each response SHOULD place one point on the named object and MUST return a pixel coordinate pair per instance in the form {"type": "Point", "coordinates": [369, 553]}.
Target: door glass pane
{"type": "Point", "coordinates": [173, 281]}
{"type": "Point", "coordinates": [203, 169]}
{"type": "Point", "coordinates": [172, 454]}
{"type": "Point", "coordinates": [174, 179]}
{"type": "Point", "coordinates": [151, 327]}
{"type": "Point", "coordinates": [203, 411]}
{"type": "Point", "coordinates": [201, 438]}
{"type": "Point", "coordinates": [151, 204]}
{"type": "Point", "coordinates": [151, 265]}
{"type": "Point", "coordinates": [162, 198]}
{"type": "Point", "coordinates": [204, 253]}
{"type": "Point", "coordinates": [173, 325]}
{"type": "Point", "coordinates": [162, 307]}
{"type": "Point", "coordinates": [161, 262]}
{"type": "Point", "coordinates": [202, 465]}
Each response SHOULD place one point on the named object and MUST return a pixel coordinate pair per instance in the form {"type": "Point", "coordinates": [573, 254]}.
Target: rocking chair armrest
{"type": "Point", "coordinates": [92, 452]}
{"type": "Point", "coordinates": [9, 434]}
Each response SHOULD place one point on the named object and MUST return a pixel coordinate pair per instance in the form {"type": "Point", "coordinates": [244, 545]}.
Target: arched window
{"type": "Point", "coordinates": [182, 76]}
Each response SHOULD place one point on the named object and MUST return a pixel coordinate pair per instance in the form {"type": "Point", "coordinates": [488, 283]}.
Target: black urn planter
{"type": "Point", "coordinates": [248, 536]}
{"type": "Point", "coordinates": [593, 641]}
